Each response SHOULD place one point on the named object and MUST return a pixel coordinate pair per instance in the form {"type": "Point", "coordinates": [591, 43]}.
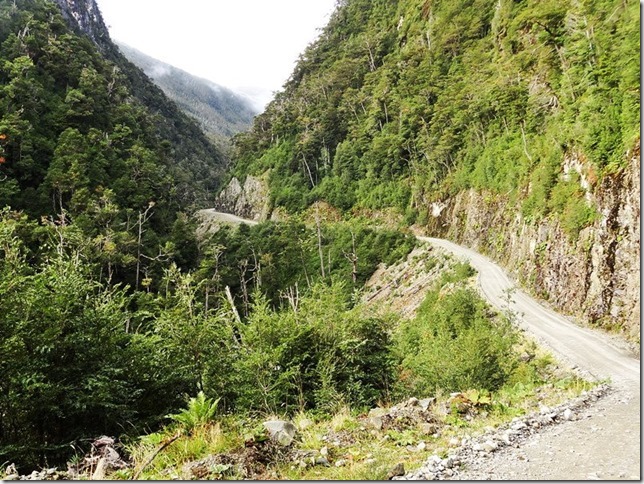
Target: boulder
{"type": "Point", "coordinates": [426, 402]}
{"type": "Point", "coordinates": [281, 431]}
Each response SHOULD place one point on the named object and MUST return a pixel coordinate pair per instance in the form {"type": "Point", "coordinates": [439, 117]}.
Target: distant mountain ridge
{"type": "Point", "coordinates": [219, 110]}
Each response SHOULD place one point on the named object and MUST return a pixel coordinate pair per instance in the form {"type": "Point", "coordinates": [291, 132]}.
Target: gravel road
{"type": "Point", "coordinates": [600, 442]}
{"type": "Point", "coordinates": [604, 442]}
{"type": "Point", "coordinates": [213, 215]}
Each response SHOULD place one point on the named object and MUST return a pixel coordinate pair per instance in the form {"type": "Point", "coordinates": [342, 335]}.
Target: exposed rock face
{"type": "Point", "coordinates": [250, 200]}
{"type": "Point", "coordinates": [595, 277]}
{"type": "Point", "coordinates": [86, 16]}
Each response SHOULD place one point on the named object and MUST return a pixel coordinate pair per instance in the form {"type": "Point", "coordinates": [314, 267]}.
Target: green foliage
{"type": "Point", "coordinates": [274, 257]}
{"type": "Point", "coordinates": [67, 351]}
{"type": "Point", "coordinates": [316, 354]}
{"type": "Point", "coordinates": [200, 411]}
{"type": "Point", "coordinates": [398, 104]}
{"type": "Point", "coordinates": [453, 344]}
{"type": "Point", "coordinates": [568, 201]}
{"type": "Point", "coordinates": [81, 129]}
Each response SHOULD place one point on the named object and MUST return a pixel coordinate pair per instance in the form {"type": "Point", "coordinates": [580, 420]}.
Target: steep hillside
{"type": "Point", "coordinates": [220, 112]}
{"type": "Point", "coordinates": [66, 93]}
{"type": "Point", "coordinates": [190, 147]}
{"type": "Point", "coordinates": [530, 106]}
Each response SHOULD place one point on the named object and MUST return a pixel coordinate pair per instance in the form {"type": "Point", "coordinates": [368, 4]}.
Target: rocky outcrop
{"type": "Point", "coordinates": [85, 16]}
{"type": "Point", "coordinates": [595, 277]}
{"type": "Point", "coordinates": [250, 200]}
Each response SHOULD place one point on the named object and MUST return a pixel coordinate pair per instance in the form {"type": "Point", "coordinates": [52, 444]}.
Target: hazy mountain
{"type": "Point", "coordinates": [219, 110]}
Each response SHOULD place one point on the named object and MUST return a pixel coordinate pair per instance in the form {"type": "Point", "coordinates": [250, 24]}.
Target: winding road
{"type": "Point", "coordinates": [588, 350]}
{"type": "Point", "coordinates": [603, 444]}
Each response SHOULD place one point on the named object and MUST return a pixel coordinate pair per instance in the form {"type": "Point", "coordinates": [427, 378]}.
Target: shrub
{"type": "Point", "coordinates": [453, 344]}
{"type": "Point", "coordinates": [200, 411]}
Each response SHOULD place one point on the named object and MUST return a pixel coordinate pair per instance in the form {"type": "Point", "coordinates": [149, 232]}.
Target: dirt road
{"type": "Point", "coordinates": [212, 215]}
{"type": "Point", "coordinates": [605, 442]}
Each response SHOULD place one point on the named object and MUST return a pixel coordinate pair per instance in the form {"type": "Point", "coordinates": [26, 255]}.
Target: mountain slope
{"type": "Point", "coordinates": [512, 125]}
{"type": "Point", "coordinates": [55, 79]}
{"type": "Point", "coordinates": [219, 111]}
{"type": "Point", "coordinates": [190, 147]}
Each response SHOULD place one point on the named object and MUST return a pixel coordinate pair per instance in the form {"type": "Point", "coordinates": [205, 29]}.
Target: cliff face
{"type": "Point", "coordinates": [249, 201]}
{"type": "Point", "coordinates": [595, 277]}
{"type": "Point", "coordinates": [85, 15]}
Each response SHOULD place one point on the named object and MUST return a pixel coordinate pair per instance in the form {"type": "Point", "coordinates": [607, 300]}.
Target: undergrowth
{"type": "Point", "coordinates": [454, 344]}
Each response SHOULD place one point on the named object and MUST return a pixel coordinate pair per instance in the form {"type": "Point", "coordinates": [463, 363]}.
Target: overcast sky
{"type": "Point", "coordinates": [247, 45]}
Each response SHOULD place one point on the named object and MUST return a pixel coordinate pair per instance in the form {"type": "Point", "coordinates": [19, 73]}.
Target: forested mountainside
{"type": "Point", "coordinates": [529, 108]}
{"type": "Point", "coordinates": [76, 134]}
{"type": "Point", "coordinates": [221, 112]}
{"type": "Point", "coordinates": [63, 98]}
{"type": "Point", "coordinates": [98, 170]}
{"type": "Point", "coordinates": [112, 312]}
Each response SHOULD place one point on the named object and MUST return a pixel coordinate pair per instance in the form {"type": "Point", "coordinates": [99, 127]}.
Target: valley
{"type": "Point", "coordinates": [420, 261]}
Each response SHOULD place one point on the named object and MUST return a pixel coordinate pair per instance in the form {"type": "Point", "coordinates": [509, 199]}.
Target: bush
{"type": "Point", "coordinates": [318, 354]}
{"type": "Point", "coordinates": [200, 411]}
{"type": "Point", "coordinates": [453, 344]}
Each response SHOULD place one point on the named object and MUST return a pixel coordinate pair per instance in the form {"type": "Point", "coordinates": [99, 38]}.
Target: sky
{"type": "Point", "coordinates": [250, 46]}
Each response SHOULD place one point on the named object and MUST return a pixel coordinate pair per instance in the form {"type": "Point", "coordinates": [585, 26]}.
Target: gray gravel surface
{"type": "Point", "coordinates": [600, 439]}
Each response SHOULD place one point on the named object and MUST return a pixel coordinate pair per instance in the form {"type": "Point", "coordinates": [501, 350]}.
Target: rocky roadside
{"type": "Point", "coordinates": [471, 458]}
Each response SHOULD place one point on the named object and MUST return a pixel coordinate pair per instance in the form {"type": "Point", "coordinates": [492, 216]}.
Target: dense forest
{"type": "Point", "coordinates": [114, 313]}
{"type": "Point", "coordinates": [404, 103]}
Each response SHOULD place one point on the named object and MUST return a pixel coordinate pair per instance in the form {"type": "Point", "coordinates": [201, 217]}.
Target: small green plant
{"type": "Point", "coordinates": [200, 411]}
{"type": "Point", "coordinates": [403, 438]}
{"type": "Point", "coordinates": [479, 398]}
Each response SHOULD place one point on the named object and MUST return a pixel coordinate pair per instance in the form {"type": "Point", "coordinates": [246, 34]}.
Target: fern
{"type": "Point", "coordinates": [200, 411]}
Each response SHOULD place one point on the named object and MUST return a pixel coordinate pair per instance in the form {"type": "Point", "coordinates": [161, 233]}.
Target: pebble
{"type": "Point", "coordinates": [471, 449]}
{"type": "Point", "coordinates": [322, 461]}
{"type": "Point", "coordinates": [518, 426]}
{"type": "Point", "coordinates": [397, 471]}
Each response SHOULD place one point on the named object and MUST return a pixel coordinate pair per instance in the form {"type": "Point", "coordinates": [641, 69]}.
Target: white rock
{"type": "Point", "coordinates": [490, 446]}
{"type": "Point", "coordinates": [520, 425]}
{"type": "Point", "coordinates": [281, 431]}
{"type": "Point", "coordinates": [567, 414]}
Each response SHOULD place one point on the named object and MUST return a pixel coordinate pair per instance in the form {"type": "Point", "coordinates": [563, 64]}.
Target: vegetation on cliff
{"type": "Point", "coordinates": [404, 103]}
